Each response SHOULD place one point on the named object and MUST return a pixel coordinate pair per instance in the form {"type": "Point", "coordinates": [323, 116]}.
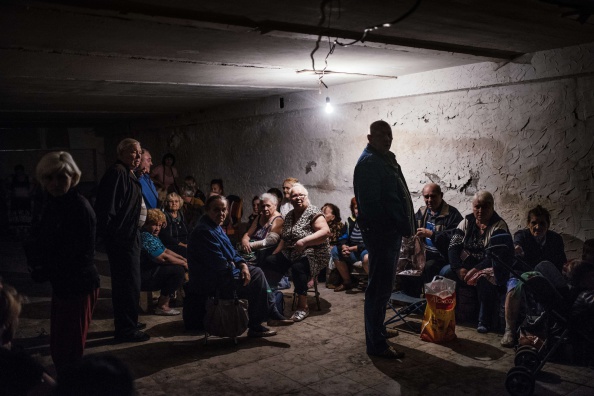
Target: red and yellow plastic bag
{"type": "Point", "coordinates": [439, 321]}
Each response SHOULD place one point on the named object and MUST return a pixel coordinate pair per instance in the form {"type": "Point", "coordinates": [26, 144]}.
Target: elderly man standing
{"type": "Point", "coordinates": [118, 208]}
{"type": "Point", "coordinates": [385, 216]}
{"type": "Point", "coordinates": [149, 191]}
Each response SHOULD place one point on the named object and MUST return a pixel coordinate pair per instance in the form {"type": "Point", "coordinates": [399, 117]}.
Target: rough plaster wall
{"type": "Point", "coordinates": [522, 131]}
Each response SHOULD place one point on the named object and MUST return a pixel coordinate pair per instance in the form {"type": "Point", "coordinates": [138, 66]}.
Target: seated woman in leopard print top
{"type": "Point", "coordinates": [303, 248]}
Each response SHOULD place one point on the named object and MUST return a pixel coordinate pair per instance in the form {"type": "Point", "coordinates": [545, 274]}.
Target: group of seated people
{"type": "Point", "coordinates": [455, 247]}
{"type": "Point", "coordinates": [205, 258]}
{"type": "Point", "coordinates": [165, 235]}
{"type": "Point", "coordinates": [304, 240]}
{"type": "Point", "coordinates": [286, 234]}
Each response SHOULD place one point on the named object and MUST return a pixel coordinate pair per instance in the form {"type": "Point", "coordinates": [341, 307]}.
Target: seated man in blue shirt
{"type": "Point", "coordinates": [211, 261]}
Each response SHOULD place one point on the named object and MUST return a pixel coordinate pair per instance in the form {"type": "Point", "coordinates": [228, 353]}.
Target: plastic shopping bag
{"type": "Point", "coordinates": [439, 322]}
{"type": "Point", "coordinates": [411, 260]}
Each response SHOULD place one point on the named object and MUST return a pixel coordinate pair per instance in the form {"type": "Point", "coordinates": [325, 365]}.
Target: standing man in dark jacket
{"type": "Point", "coordinates": [385, 216]}
{"type": "Point", "coordinates": [118, 208]}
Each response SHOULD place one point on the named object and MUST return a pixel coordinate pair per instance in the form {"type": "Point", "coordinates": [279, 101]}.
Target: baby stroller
{"type": "Point", "coordinates": [553, 325]}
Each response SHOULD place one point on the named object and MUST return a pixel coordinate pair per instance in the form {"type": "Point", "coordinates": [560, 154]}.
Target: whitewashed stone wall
{"type": "Point", "coordinates": [522, 130]}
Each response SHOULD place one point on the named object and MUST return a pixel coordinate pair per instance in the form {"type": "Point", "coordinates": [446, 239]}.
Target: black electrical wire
{"type": "Point", "coordinates": [360, 40]}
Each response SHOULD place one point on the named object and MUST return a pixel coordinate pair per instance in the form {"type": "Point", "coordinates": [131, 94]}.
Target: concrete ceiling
{"type": "Point", "coordinates": [82, 62]}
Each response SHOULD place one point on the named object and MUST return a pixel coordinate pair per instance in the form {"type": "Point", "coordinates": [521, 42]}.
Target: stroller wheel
{"type": "Point", "coordinates": [526, 347]}
{"type": "Point", "coordinates": [519, 381]}
{"type": "Point", "coordinates": [527, 358]}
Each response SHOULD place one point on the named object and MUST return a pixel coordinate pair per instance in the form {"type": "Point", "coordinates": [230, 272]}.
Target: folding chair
{"type": "Point", "coordinates": [412, 305]}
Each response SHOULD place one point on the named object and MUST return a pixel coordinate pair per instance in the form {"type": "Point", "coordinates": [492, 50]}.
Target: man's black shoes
{"type": "Point", "coordinates": [136, 336]}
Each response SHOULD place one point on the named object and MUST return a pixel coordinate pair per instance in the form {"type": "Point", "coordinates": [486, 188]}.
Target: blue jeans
{"type": "Point", "coordinates": [383, 252]}
{"type": "Point", "coordinates": [351, 259]}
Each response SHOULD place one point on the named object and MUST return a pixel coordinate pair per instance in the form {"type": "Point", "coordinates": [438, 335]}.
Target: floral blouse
{"type": "Point", "coordinates": [296, 229]}
{"type": "Point", "coordinates": [151, 244]}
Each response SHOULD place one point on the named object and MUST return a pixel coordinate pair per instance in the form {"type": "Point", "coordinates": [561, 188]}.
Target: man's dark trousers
{"type": "Point", "coordinates": [124, 264]}
{"type": "Point", "coordinates": [383, 248]}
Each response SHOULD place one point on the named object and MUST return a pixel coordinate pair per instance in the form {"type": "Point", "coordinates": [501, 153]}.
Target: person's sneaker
{"type": "Point", "coordinates": [261, 331]}
{"type": "Point", "coordinates": [169, 312]}
{"type": "Point", "coordinates": [390, 353]}
{"type": "Point", "coordinates": [508, 340]}
{"type": "Point", "coordinates": [481, 328]}
{"type": "Point", "coordinates": [136, 336]}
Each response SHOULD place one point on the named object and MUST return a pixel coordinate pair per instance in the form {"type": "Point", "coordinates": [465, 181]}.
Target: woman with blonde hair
{"type": "Point", "coordinates": [161, 268]}
{"type": "Point", "coordinates": [62, 250]}
{"type": "Point", "coordinates": [174, 233]}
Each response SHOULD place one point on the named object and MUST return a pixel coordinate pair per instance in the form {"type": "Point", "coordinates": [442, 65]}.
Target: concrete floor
{"type": "Point", "coordinates": [324, 355]}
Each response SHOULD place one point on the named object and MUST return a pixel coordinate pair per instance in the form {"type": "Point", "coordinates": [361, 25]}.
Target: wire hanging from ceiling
{"type": "Point", "coordinates": [332, 44]}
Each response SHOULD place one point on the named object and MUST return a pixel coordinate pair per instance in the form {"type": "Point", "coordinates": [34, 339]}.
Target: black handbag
{"type": "Point", "coordinates": [226, 317]}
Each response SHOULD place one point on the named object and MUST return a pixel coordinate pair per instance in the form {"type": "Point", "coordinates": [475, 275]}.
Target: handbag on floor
{"type": "Point", "coordinates": [226, 317]}
{"type": "Point", "coordinates": [439, 321]}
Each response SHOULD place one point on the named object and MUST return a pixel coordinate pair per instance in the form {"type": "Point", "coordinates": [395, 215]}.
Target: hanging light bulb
{"type": "Point", "coordinates": [329, 109]}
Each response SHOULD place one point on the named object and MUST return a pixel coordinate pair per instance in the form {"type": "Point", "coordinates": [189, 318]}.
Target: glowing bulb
{"type": "Point", "coordinates": [329, 109]}
{"type": "Point", "coordinates": [386, 25]}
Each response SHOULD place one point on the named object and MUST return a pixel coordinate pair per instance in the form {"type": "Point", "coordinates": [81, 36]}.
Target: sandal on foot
{"type": "Point", "coordinates": [508, 340]}
{"type": "Point", "coordinates": [299, 315]}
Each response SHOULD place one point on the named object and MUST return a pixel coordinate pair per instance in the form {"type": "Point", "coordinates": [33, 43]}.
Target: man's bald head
{"type": "Point", "coordinates": [380, 136]}
{"type": "Point", "coordinates": [433, 196]}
